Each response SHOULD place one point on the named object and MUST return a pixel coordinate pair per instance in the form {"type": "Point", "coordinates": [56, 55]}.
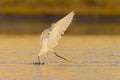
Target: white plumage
{"type": "Point", "coordinates": [50, 37]}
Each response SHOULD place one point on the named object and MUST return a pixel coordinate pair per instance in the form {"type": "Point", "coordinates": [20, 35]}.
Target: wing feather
{"type": "Point", "coordinates": [57, 29]}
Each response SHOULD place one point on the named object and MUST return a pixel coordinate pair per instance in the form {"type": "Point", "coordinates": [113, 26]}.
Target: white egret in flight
{"type": "Point", "coordinates": [50, 37]}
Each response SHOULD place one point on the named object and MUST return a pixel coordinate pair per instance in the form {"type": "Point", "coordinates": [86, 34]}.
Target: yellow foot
{"type": "Point", "coordinates": [68, 60]}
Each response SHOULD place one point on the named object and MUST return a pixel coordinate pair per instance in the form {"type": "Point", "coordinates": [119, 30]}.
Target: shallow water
{"type": "Point", "coordinates": [93, 58]}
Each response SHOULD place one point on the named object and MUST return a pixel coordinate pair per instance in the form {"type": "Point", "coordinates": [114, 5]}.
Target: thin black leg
{"type": "Point", "coordinates": [61, 57]}
{"type": "Point", "coordinates": [39, 62]}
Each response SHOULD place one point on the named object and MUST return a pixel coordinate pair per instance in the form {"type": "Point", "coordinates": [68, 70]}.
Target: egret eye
{"type": "Point", "coordinates": [48, 33]}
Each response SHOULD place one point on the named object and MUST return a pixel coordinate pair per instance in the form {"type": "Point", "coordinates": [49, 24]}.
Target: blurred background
{"type": "Point", "coordinates": [93, 17]}
{"type": "Point", "coordinates": [92, 40]}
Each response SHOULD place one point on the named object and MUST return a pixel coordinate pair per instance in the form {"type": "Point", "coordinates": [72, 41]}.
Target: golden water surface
{"type": "Point", "coordinates": [93, 58]}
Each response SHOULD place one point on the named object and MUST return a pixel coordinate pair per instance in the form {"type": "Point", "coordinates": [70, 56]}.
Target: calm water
{"type": "Point", "coordinates": [93, 58]}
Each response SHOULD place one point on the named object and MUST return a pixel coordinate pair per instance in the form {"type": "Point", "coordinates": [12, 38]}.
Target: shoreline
{"type": "Point", "coordinates": [54, 18]}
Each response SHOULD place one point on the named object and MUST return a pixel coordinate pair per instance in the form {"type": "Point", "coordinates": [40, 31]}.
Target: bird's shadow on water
{"type": "Point", "coordinates": [46, 64]}
{"type": "Point", "coordinates": [23, 63]}
{"type": "Point", "coordinates": [77, 64]}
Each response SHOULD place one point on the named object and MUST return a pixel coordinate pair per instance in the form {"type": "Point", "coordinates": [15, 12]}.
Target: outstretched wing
{"type": "Point", "coordinates": [57, 29]}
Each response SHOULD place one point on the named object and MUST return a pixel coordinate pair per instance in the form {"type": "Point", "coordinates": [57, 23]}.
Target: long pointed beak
{"type": "Point", "coordinates": [39, 62]}
{"type": "Point", "coordinates": [39, 59]}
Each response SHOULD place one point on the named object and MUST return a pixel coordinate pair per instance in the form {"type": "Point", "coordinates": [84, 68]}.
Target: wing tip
{"type": "Point", "coordinates": [72, 12]}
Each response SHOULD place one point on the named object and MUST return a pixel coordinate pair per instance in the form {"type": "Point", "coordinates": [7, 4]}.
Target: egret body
{"type": "Point", "coordinates": [50, 37]}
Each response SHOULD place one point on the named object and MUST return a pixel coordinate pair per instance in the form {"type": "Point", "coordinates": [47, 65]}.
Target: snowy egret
{"type": "Point", "coordinates": [50, 37]}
